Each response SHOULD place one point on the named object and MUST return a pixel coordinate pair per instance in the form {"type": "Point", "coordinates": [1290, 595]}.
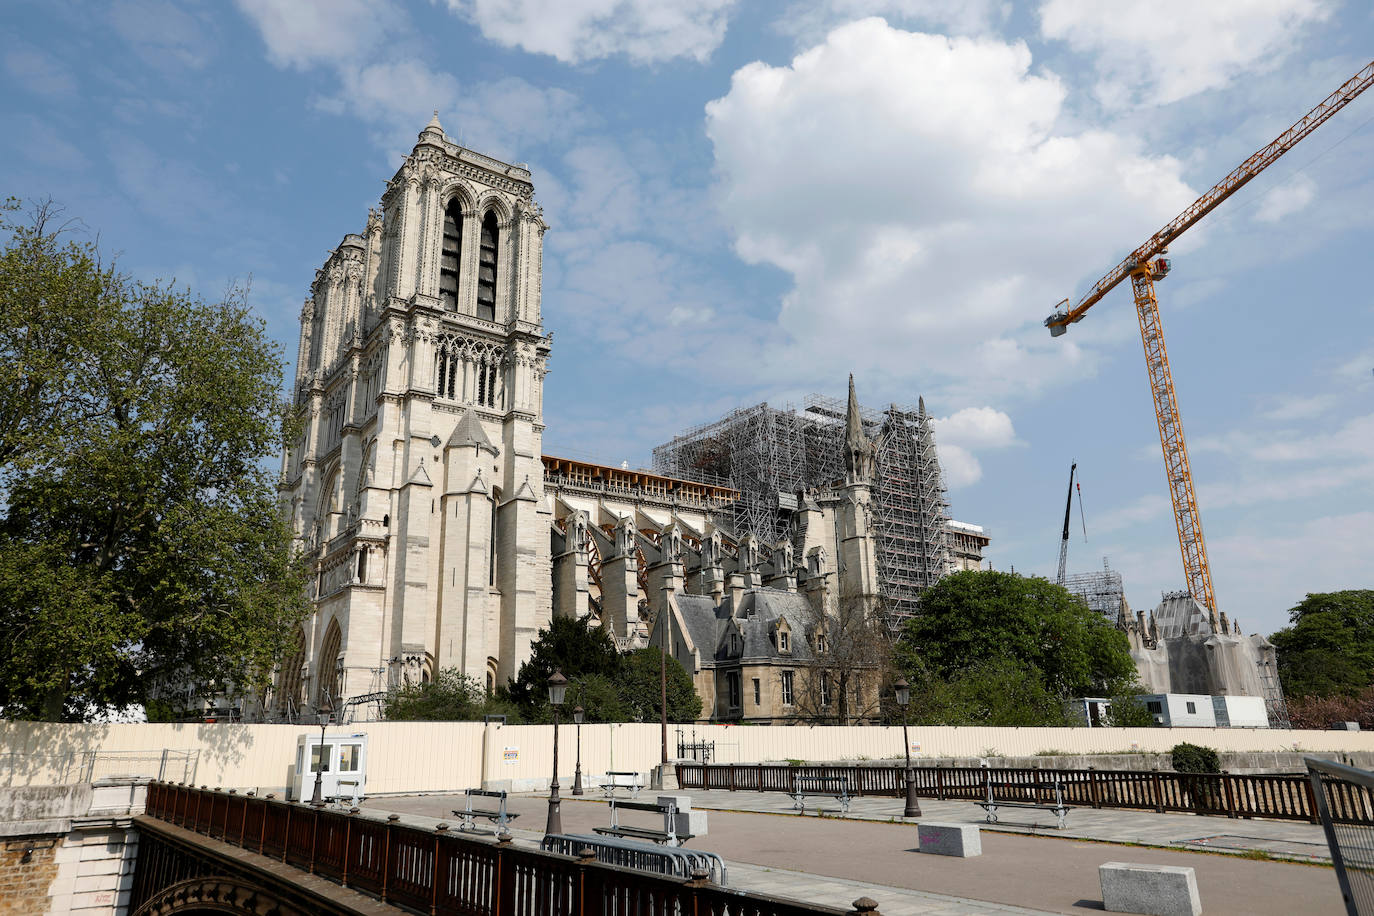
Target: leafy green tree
{"type": "Point", "coordinates": [600, 698]}
{"type": "Point", "coordinates": [998, 691]}
{"type": "Point", "coordinates": [450, 697]}
{"type": "Point", "coordinates": [971, 618]}
{"type": "Point", "coordinates": [639, 683]}
{"type": "Point", "coordinates": [141, 549]}
{"type": "Point", "coordinates": [1328, 648]}
{"type": "Point", "coordinates": [1195, 758]}
{"type": "Point", "coordinates": [1130, 711]}
{"type": "Point", "coordinates": [571, 646]}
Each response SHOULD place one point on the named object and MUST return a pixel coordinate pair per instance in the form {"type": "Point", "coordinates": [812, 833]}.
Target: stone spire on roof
{"type": "Point", "coordinates": [858, 451]}
{"type": "Point", "coordinates": [433, 127]}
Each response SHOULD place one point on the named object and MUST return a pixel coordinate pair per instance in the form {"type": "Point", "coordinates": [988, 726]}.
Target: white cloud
{"type": "Point", "coordinates": [39, 72]}
{"type": "Point", "coordinates": [304, 33]}
{"type": "Point", "coordinates": [574, 31]}
{"type": "Point", "coordinates": [1353, 439]}
{"type": "Point", "coordinates": [397, 90]}
{"type": "Point", "coordinates": [930, 212]}
{"type": "Point", "coordinates": [1159, 52]}
{"type": "Point", "coordinates": [1300, 407]}
{"type": "Point", "coordinates": [1286, 199]}
{"type": "Point", "coordinates": [808, 22]}
{"type": "Point", "coordinates": [1143, 509]}
{"type": "Point", "coordinates": [161, 33]}
{"type": "Point", "coordinates": [40, 142]}
{"type": "Point", "coordinates": [966, 431]}
{"type": "Point", "coordinates": [959, 465]}
{"type": "Point", "coordinates": [1256, 584]}
{"type": "Point", "coordinates": [977, 427]}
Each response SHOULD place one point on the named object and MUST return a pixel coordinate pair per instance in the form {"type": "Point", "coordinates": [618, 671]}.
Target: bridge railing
{"type": "Point", "coordinates": [1282, 796]}
{"type": "Point", "coordinates": [442, 873]}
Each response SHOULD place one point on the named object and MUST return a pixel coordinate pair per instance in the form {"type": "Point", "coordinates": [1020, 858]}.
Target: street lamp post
{"type": "Point", "coordinates": [317, 799]}
{"type": "Point", "coordinates": [903, 691]}
{"type": "Point", "coordinates": [578, 715]}
{"type": "Point", "coordinates": [558, 687]}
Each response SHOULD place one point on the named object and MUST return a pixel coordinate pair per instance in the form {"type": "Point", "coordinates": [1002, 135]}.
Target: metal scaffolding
{"type": "Point", "coordinates": [1101, 590]}
{"type": "Point", "coordinates": [760, 451]}
{"type": "Point", "coordinates": [768, 454]}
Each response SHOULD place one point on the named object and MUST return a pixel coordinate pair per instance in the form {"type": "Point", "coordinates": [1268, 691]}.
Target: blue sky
{"type": "Point", "coordinates": [750, 200]}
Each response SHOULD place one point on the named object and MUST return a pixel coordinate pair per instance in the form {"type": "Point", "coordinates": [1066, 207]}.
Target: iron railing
{"type": "Point", "coordinates": [1338, 789]}
{"type": "Point", "coordinates": [87, 766]}
{"type": "Point", "coordinates": [1281, 796]}
{"type": "Point", "coordinates": [434, 871]}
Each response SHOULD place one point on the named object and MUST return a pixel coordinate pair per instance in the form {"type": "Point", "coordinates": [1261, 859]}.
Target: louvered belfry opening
{"type": "Point", "coordinates": [448, 264]}
{"type": "Point", "coordinates": [486, 270]}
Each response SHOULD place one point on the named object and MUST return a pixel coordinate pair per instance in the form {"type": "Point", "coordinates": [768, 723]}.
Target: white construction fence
{"type": "Point", "coordinates": [451, 756]}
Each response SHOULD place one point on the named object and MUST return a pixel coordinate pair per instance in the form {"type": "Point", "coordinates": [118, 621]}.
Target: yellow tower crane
{"type": "Point", "coordinates": [1144, 266]}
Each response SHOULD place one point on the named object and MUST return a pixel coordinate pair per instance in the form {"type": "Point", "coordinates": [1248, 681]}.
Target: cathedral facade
{"type": "Point", "coordinates": [416, 486]}
{"type": "Point", "coordinates": [441, 536]}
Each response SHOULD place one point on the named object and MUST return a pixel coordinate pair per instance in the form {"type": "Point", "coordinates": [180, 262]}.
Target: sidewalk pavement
{"type": "Point", "coordinates": [829, 860]}
{"type": "Point", "coordinates": [1298, 841]}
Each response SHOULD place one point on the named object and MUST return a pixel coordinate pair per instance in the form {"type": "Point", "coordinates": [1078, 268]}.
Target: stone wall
{"type": "Point", "coordinates": [27, 868]}
{"type": "Point", "coordinates": [69, 849]}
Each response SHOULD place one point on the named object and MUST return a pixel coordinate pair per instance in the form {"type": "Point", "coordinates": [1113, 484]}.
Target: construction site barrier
{"type": "Point", "coordinates": [1281, 796]}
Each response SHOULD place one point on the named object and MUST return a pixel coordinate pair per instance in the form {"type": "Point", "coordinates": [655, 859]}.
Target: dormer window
{"type": "Point", "coordinates": [784, 643]}
{"type": "Point", "coordinates": [820, 643]}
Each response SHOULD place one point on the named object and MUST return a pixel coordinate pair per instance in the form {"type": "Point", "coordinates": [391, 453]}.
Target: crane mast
{"type": "Point", "coordinates": [1144, 267]}
{"type": "Point", "coordinates": [1064, 541]}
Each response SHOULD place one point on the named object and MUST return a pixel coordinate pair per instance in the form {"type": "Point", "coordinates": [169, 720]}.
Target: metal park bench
{"type": "Point", "coordinates": [836, 787]}
{"type": "Point", "coordinates": [1040, 796]}
{"type": "Point", "coordinates": [622, 779]}
{"type": "Point", "coordinates": [667, 836]}
{"type": "Point", "coordinates": [498, 815]}
{"type": "Point", "coordinates": [641, 856]}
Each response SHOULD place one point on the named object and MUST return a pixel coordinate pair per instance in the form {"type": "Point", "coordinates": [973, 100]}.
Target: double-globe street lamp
{"type": "Point", "coordinates": [558, 688]}
{"type": "Point", "coordinates": [578, 715]}
{"type": "Point", "coordinates": [903, 691]}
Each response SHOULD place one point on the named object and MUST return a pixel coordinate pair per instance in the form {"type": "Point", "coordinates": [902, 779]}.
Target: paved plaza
{"type": "Point", "coordinates": [1025, 868]}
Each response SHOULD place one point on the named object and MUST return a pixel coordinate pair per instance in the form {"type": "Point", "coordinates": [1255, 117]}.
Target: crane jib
{"type": "Point", "coordinates": [1223, 189]}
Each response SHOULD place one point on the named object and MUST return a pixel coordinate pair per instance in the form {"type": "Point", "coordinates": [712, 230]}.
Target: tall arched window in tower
{"type": "Point", "coordinates": [486, 269]}
{"type": "Point", "coordinates": [327, 670]}
{"type": "Point", "coordinates": [448, 262]}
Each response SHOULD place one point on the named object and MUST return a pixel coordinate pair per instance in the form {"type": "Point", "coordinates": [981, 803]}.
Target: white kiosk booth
{"type": "Point", "coordinates": [344, 771]}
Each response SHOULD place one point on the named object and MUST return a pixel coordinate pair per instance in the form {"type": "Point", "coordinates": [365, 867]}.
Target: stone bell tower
{"type": "Point", "coordinates": [417, 488]}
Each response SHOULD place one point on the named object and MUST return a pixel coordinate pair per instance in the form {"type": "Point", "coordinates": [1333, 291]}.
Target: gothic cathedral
{"type": "Point", "coordinates": [416, 486]}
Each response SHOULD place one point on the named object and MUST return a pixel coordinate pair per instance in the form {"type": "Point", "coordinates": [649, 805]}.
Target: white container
{"type": "Point", "coordinates": [344, 774]}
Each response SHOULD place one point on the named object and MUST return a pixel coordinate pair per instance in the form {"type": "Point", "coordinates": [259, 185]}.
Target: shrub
{"type": "Point", "coordinates": [1194, 758]}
